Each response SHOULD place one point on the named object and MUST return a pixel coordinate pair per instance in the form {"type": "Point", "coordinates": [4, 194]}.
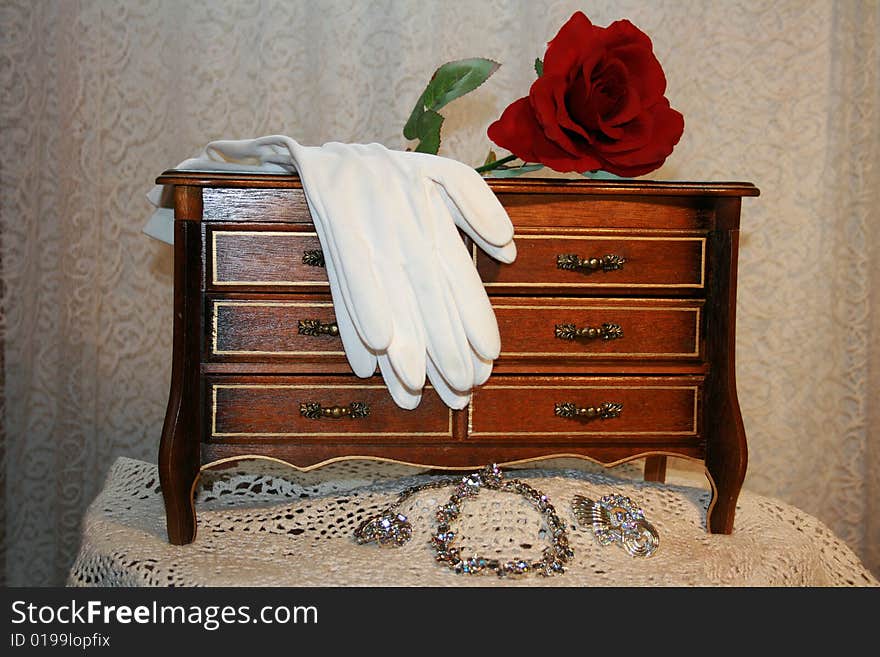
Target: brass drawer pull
{"type": "Point", "coordinates": [606, 332]}
{"type": "Point", "coordinates": [317, 327]}
{"type": "Point", "coordinates": [573, 262]}
{"type": "Point", "coordinates": [314, 410]}
{"type": "Point", "coordinates": [313, 258]}
{"type": "Point", "coordinates": [604, 411]}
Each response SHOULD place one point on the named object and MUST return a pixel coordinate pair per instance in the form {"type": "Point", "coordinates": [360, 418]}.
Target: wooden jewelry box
{"type": "Point", "coordinates": [617, 324]}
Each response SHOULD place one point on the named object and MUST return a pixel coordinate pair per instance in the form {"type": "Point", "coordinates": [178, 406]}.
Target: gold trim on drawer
{"type": "Point", "coordinates": [286, 233]}
{"type": "Point", "coordinates": [582, 354]}
{"type": "Point", "coordinates": [267, 304]}
{"type": "Point", "coordinates": [312, 388]}
{"type": "Point", "coordinates": [585, 283]}
{"type": "Point", "coordinates": [693, 432]}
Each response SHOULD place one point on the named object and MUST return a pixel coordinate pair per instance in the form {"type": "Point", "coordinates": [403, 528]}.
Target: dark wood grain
{"type": "Point", "coordinates": [653, 329]}
{"type": "Point", "coordinates": [268, 409]}
{"type": "Point", "coordinates": [241, 368]}
{"type": "Point", "coordinates": [513, 185]}
{"type": "Point", "coordinates": [266, 327]}
{"type": "Point", "coordinates": [247, 328]}
{"type": "Point", "coordinates": [336, 365]}
{"type": "Point", "coordinates": [655, 409]}
{"type": "Point", "coordinates": [256, 205]}
{"type": "Point", "coordinates": [187, 203]}
{"type": "Point", "coordinates": [655, 468]}
{"type": "Point", "coordinates": [261, 257]}
{"type": "Point", "coordinates": [655, 264]}
{"type": "Point", "coordinates": [181, 432]}
{"type": "Point", "coordinates": [727, 452]}
{"type": "Point", "coordinates": [605, 210]}
{"type": "Point", "coordinates": [459, 455]}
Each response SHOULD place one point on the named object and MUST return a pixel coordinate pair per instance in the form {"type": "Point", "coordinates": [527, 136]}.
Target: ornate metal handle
{"type": "Point", "coordinates": [314, 410]}
{"type": "Point", "coordinates": [317, 327]}
{"type": "Point", "coordinates": [313, 258]}
{"type": "Point", "coordinates": [573, 262]}
{"type": "Point", "coordinates": [606, 332]}
{"type": "Point", "coordinates": [604, 411]}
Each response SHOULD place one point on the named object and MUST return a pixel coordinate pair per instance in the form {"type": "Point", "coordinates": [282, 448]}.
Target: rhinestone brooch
{"type": "Point", "coordinates": [617, 519]}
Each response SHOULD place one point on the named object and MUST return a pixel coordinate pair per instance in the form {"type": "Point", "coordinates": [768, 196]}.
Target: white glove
{"type": "Point", "coordinates": [405, 291]}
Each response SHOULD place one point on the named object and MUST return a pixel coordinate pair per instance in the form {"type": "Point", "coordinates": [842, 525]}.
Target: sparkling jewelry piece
{"type": "Point", "coordinates": [617, 519]}
{"type": "Point", "coordinates": [390, 528]}
{"type": "Point", "coordinates": [554, 556]}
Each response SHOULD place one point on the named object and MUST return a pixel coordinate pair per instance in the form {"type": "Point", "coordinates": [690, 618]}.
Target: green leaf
{"type": "Point", "coordinates": [455, 79]}
{"type": "Point", "coordinates": [452, 80]}
{"type": "Point", "coordinates": [539, 66]}
{"type": "Point", "coordinates": [490, 158]}
{"type": "Point", "coordinates": [428, 132]}
{"type": "Point", "coordinates": [514, 171]}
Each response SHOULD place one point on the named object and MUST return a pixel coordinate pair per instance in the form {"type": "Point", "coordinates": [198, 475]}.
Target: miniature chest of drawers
{"type": "Point", "coordinates": [617, 324]}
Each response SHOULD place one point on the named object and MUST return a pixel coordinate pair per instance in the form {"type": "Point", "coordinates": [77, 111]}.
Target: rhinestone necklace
{"type": "Point", "coordinates": [391, 528]}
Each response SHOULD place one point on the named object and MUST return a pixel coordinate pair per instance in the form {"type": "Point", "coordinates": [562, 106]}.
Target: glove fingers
{"type": "Point", "coordinates": [479, 208]}
{"type": "Point", "coordinates": [404, 397]}
{"type": "Point", "coordinates": [482, 369]}
{"type": "Point", "coordinates": [450, 397]}
{"type": "Point", "coordinates": [414, 220]}
{"type": "Point", "coordinates": [361, 359]}
{"type": "Point", "coordinates": [446, 339]}
{"type": "Point", "coordinates": [406, 352]}
{"type": "Point", "coordinates": [447, 343]}
{"type": "Point", "coordinates": [468, 292]}
{"type": "Point", "coordinates": [505, 254]}
{"type": "Point", "coordinates": [343, 240]}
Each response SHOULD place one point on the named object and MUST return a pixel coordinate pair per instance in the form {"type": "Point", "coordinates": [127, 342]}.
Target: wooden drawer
{"type": "Point", "coordinates": [573, 208]}
{"type": "Point", "coordinates": [291, 259]}
{"type": "Point", "coordinates": [527, 408]}
{"type": "Point", "coordinates": [628, 329]}
{"type": "Point", "coordinates": [569, 205]}
{"type": "Point", "coordinates": [273, 327]}
{"type": "Point", "coordinates": [261, 327]}
{"type": "Point", "coordinates": [652, 264]}
{"type": "Point", "coordinates": [267, 409]}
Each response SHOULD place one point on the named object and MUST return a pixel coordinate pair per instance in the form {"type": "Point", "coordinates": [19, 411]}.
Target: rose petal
{"type": "Point", "coordinates": [624, 33]}
{"type": "Point", "coordinates": [519, 132]}
{"type": "Point", "coordinates": [644, 72]}
{"type": "Point", "coordinates": [515, 129]}
{"type": "Point", "coordinates": [546, 97]}
{"type": "Point", "coordinates": [629, 106]}
{"type": "Point", "coordinates": [574, 40]}
{"type": "Point", "coordinates": [632, 46]}
{"type": "Point", "coordinates": [580, 123]}
{"type": "Point", "coordinates": [667, 131]}
{"type": "Point", "coordinates": [634, 135]}
{"type": "Point", "coordinates": [611, 95]}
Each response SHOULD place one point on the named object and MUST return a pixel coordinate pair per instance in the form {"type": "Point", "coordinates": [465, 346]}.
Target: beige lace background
{"type": "Point", "coordinates": [288, 528]}
{"type": "Point", "coordinates": [99, 96]}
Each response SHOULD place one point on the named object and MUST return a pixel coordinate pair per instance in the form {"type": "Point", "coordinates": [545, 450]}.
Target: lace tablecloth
{"type": "Point", "coordinates": [264, 524]}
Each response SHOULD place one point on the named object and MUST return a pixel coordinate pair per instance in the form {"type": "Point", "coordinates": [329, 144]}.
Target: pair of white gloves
{"type": "Point", "coordinates": [405, 290]}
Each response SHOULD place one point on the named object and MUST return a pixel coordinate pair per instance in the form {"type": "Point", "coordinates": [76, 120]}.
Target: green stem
{"type": "Point", "coordinates": [495, 164]}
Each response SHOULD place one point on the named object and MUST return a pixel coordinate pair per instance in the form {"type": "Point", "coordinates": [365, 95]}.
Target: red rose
{"type": "Point", "coordinates": [599, 104]}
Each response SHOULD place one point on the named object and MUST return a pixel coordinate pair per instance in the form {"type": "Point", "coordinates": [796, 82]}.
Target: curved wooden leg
{"type": "Point", "coordinates": [726, 451]}
{"type": "Point", "coordinates": [655, 468]}
{"type": "Point", "coordinates": [179, 451]}
{"type": "Point", "coordinates": [726, 466]}
{"type": "Point", "coordinates": [178, 472]}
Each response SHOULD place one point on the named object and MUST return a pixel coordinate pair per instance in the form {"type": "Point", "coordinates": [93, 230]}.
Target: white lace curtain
{"type": "Point", "coordinates": [99, 96]}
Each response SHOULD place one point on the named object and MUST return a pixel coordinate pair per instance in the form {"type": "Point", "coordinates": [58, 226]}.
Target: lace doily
{"type": "Point", "coordinates": [264, 524]}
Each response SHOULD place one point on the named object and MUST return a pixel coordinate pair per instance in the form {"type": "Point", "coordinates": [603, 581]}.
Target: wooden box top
{"type": "Point", "coordinates": [498, 185]}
